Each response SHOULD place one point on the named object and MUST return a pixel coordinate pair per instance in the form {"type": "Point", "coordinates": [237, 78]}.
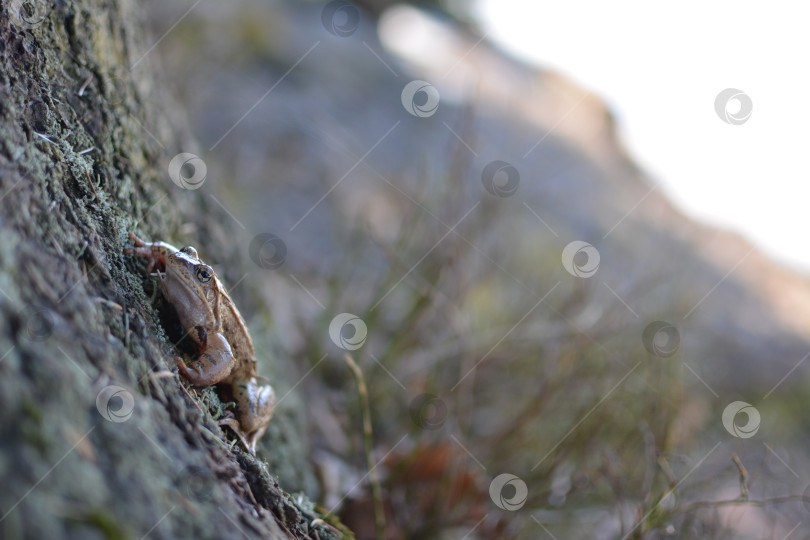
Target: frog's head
{"type": "Point", "coordinates": [189, 282]}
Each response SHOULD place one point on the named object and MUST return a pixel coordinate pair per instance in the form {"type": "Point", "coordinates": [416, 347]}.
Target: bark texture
{"type": "Point", "coordinates": [98, 436]}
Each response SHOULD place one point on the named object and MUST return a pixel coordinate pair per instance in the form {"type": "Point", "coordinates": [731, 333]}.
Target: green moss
{"type": "Point", "coordinates": [333, 521]}
{"type": "Point", "coordinates": [109, 525]}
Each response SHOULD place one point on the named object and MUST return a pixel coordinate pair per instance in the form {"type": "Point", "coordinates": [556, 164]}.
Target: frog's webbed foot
{"type": "Point", "coordinates": [138, 241]}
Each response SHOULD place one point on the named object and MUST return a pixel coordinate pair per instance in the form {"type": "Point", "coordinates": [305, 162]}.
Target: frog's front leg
{"type": "Point", "coordinates": [154, 252]}
{"type": "Point", "coordinates": [254, 408]}
{"type": "Point", "coordinates": [215, 362]}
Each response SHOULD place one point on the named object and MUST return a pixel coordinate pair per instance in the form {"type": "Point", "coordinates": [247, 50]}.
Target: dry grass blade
{"type": "Point", "coordinates": [379, 513]}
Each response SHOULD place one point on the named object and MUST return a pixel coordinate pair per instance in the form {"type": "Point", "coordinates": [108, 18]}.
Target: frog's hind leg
{"type": "Point", "coordinates": [255, 405]}
{"type": "Point", "coordinates": [214, 364]}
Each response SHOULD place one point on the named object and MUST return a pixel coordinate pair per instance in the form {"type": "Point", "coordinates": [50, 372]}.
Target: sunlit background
{"type": "Point", "coordinates": [660, 69]}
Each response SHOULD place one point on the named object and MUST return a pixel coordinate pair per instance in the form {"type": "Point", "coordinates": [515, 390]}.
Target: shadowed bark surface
{"type": "Point", "coordinates": [98, 436]}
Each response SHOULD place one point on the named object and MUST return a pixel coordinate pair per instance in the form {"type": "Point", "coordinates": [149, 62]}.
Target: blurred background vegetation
{"type": "Point", "coordinates": [484, 355]}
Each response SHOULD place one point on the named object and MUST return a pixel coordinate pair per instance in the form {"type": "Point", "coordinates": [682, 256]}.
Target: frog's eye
{"type": "Point", "coordinates": [188, 250]}
{"type": "Point", "coordinates": [204, 274]}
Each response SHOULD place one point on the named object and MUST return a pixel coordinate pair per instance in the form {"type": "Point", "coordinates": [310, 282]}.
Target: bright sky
{"type": "Point", "coordinates": [660, 67]}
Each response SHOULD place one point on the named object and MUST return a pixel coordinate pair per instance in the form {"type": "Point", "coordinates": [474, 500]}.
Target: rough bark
{"type": "Point", "coordinates": [98, 436]}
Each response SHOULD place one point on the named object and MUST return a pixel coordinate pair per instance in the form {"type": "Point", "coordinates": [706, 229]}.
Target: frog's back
{"type": "Point", "coordinates": [235, 331]}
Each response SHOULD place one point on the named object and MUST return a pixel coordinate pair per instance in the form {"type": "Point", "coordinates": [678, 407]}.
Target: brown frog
{"type": "Point", "coordinates": [210, 318]}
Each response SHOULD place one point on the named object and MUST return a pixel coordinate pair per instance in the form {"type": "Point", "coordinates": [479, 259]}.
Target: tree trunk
{"type": "Point", "coordinates": [98, 436]}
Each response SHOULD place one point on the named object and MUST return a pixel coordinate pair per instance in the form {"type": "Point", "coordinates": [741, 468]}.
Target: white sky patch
{"type": "Point", "coordinates": [659, 68]}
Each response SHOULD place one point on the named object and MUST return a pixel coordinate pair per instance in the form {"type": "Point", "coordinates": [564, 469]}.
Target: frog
{"type": "Point", "coordinates": [226, 357]}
